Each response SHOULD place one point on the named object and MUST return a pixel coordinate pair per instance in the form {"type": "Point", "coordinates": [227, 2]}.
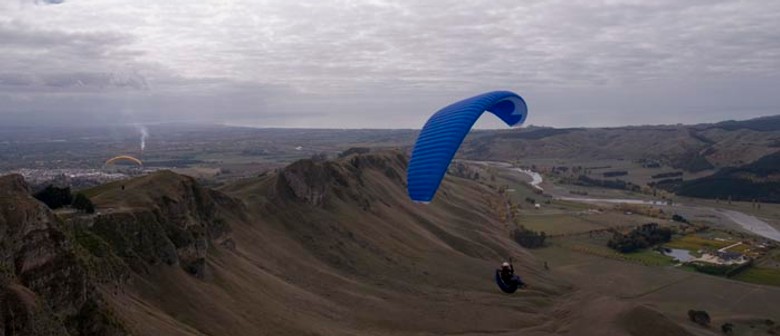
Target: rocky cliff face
{"type": "Point", "coordinates": [52, 270]}
{"type": "Point", "coordinates": [308, 181]}
{"type": "Point", "coordinates": [163, 218]}
{"type": "Point", "coordinates": [317, 182]}
{"type": "Point", "coordinates": [45, 284]}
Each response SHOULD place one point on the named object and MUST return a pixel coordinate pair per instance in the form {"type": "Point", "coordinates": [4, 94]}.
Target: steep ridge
{"type": "Point", "coordinates": [394, 265]}
{"type": "Point", "coordinates": [319, 247]}
{"type": "Point", "coordinates": [330, 247]}
{"type": "Point", "coordinates": [47, 285]}
{"type": "Point", "coordinates": [162, 218]}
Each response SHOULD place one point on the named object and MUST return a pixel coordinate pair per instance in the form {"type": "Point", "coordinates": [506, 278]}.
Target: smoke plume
{"type": "Point", "coordinates": [144, 134]}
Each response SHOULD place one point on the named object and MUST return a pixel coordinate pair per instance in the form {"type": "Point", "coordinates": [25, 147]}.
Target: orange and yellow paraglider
{"type": "Point", "coordinates": [123, 158]}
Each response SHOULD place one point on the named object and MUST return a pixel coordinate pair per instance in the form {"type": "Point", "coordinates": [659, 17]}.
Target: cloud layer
{"type": "Point", "coordinates": [385, 63]}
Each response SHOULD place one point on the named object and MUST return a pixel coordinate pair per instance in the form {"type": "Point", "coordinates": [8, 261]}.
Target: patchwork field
{"type": "Point", "coordinates": [580, 222]}
{"type": "Point", "coordinates": [761, 276]}
{"type": "Point", "coordinates": [695, 243]}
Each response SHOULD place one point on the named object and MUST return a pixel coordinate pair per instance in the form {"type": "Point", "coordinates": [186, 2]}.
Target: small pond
{"type": "Point", "coordinates": [680, 255]}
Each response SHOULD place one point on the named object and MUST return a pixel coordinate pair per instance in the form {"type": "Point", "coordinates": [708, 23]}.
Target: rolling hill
{"type": "Point", "coordinates": [328, 247]}
{"type": "Point", "coordinates": [316, 248]}
{"type": "Point", "coordinates": [692, 148]}
{"type": "Point", "coordinates": [757, 181]}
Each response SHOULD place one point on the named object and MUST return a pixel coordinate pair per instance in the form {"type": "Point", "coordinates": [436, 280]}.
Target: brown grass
{"type": "Point", "coordinates": [372, 263]}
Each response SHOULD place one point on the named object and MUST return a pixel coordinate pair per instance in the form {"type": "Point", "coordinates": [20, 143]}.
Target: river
{"type": "Point", "coordinates": [751, 224]}
{"type": "Point", "coordinates": [747, 222]}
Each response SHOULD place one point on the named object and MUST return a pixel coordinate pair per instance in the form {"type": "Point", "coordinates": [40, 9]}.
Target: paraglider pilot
{"type": "Point", "coordinates": [507, 280]}
{"type": "Point", "coordinates": [507, 271]}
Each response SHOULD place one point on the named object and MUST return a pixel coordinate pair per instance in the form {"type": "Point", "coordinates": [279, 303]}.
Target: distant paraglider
{"type": "Point", "coordinates": [123, 158]}
{"type": "Point", "coordinates": [442, 135]}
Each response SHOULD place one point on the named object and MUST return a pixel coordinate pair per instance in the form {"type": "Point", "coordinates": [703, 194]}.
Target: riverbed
{"type": "Point", "coordinates": [747, 222]}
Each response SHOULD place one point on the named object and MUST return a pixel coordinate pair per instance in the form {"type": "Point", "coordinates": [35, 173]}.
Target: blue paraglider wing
{"type": "Point", "coordinates": [442, 135]}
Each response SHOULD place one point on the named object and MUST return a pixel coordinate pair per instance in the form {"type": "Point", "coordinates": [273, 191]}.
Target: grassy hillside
{"type": "Point", "coordinates": [331, 247]}
{"type": "Point", "coordinates": [691, 148]}
{"type": "Point", "coordinates": [336, 248]}
{"type": "Point", "coordinates": [759, 181]}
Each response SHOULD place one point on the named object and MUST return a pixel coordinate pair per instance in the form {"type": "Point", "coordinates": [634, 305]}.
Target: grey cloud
{"type": "Point", "coordinates": [45, 2]}
{"type": "Point", "coordinates": [16, 79]}
{"type": "Point", "coordinates": [23, 35]}
{"type": "Point", "coordinates": [390, 63]}
{"type": "Point", "coordinates": [190, 101]}
{"type": "Point", "coordinates": [73, 80]}
{"type": "Point", "coordinates": [37, 51]}
{"type": "Point", "coordinates": [46, 59]}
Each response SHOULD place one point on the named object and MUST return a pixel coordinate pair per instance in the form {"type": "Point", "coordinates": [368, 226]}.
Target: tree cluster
{"type": "Point", "coordinates": [639, 238]}
{"type": "Point", "coordinates": [721, 270]}
{"type": "Point", "coordinates": [681, 219]}
{"type": "Point", "coordinates": [528, 238]}
{"type": "Point", "coordinates": [461, 170]}
{"type": "Point", "coordinates": [56, 198]}
{"type": "Point", "coordinates": [670, 184]}
{"type": "Point", "coordinates": [615, 173]}
{"type": "Point", "coordinates": [666, 175]}
{"type": "Point", "coordinates": [692, 162]}
{"type": "Point", "coordinates": [83, 204]}
{"type": "Point", "coordinates": [649, 163]}
{"type": "Point", "coordinates": [611, 184]}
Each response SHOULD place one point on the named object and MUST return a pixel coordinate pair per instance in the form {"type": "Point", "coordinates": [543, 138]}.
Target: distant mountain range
{"type": "Point", "coordinates": [763, 124]}
{"type": "Point", "coordinates": [692, 148]}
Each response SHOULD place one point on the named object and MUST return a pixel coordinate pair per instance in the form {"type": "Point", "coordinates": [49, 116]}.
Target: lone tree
{"type": "Point", "coordinates": [83, 204]}
{"type": "Point", "coordinates": [727, 328]}
{"type": "Point", "coordinates": [700, 317]}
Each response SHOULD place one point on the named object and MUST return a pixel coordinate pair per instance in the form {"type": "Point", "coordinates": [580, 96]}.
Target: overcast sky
{"type": "Point", "coordinates": [385, 63]}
